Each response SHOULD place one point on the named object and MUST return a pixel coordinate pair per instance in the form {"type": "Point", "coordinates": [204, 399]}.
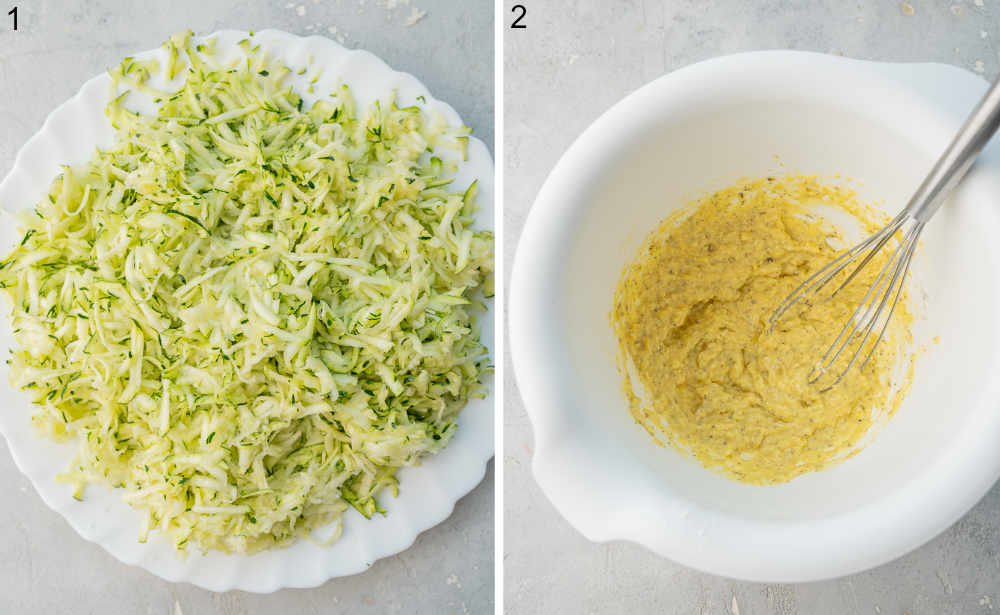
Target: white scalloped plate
{"type": "Point", "coordinates": [427, 493]}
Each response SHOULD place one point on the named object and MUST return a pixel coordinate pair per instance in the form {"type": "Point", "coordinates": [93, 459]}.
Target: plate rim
{"type": "Point", "coordinates": [477, 464]}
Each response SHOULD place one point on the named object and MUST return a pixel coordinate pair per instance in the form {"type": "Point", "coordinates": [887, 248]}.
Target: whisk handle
{"type": "Point", "coordinates": [954, 163]}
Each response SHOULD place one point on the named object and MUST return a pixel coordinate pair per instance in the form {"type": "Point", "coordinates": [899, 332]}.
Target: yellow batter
{"type": "Point", "coordinates": [691, 315]}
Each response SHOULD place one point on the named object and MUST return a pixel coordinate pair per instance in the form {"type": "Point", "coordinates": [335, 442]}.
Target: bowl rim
{"type": "Point", "coordinates": [796, 551]}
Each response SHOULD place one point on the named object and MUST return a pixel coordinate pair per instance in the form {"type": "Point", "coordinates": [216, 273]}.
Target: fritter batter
{"type": "Point", "coordinates": [691, 316]}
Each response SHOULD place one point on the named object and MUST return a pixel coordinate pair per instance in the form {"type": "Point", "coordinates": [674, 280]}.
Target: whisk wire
{"type": "Point", "coordinates": [893, 227]}
{"type": "Point", "coordinates": [861, 318]}
{"type": "Point", "coordinates": [821, 278]}
{"type": "Point", "coordinates": [908, 257]}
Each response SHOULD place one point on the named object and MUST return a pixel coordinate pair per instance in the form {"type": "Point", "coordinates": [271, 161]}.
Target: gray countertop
{"type": "Point", "coordinates": [588, 54]}
{"type": "Point", "coordinates": [44, 566]}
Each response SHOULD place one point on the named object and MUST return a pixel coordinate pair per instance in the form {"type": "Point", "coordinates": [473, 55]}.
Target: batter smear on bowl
{"type": "Point", "coordinates": [702, 371]}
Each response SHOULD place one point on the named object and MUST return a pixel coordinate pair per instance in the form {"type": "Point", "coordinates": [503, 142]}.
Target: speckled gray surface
{"type": "Point", "coordinates": [44, 566]}
{"type": "Point", "coordinates": [585, 55]}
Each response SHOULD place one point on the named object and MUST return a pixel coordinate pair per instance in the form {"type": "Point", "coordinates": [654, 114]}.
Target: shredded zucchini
{"type": "Point", "coordinates": [250, 312]}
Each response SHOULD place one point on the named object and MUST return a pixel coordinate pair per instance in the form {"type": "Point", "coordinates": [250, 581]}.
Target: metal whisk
{"type": "Point", "coordinates": [871, 314]}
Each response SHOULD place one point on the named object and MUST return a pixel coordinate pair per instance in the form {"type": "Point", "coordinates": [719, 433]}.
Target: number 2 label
{"type": "Point", "coordinates": [520, 11]}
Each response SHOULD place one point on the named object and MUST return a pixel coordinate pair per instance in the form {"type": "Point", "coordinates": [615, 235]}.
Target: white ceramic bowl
{"type": "Point", "coordinates": [427, 493]}
{"type": "Point", "coordinates": [699, 129]}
